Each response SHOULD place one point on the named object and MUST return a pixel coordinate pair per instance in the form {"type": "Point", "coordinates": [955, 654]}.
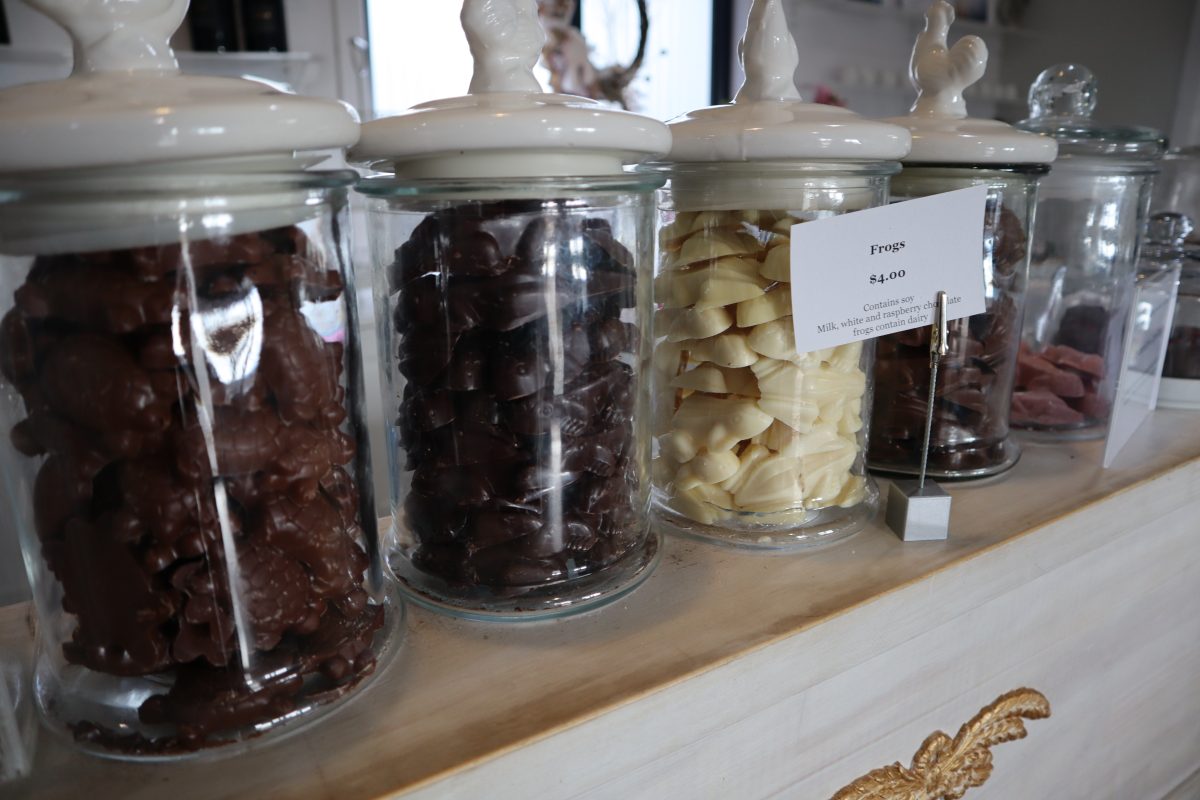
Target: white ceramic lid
{"type": "Point", "coordinates": [506, 126]}
{"type": "Point", "coordinates": [126, 102]}
{"type": "Point", "coordinates": [767, 120]}
{"type": "Point", "coordinates": [942, 133]}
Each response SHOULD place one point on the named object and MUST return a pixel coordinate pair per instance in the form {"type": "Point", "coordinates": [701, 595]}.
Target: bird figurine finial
{"type": "Point", "coordinates": [506, 39]}
{"type": "Point", "coordinates": [940, 74]}
{"type": "Point", "coordinates": [769, 55]}
{"type": "Point", "coordinates": [118, 35]}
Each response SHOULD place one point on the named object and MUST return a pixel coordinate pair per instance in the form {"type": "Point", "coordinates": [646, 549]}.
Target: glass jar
{"type": "Point", "coordinates": [1183, 349]}
{"type": "Point", "coordinates": [1091, 210]}
{"type": "Point", "coordinates": [754, 443]}
{"type": "Point", "coordinates": [969, 423]}
{"type": "Point", "coordinates": [186, 464]}
{"type": "Point", "coordinates": [18, 715]}
{"type": "Point", "coordinates": [1167, 237]}
{"type": "Point", "coordinates": [512, 252]}
{"type": "Point", "coordinates": [1177, 187]}
{"type": "Point", "coordinates": [519, 318]}
{"type": "Point", "coordinates": [971, 412]}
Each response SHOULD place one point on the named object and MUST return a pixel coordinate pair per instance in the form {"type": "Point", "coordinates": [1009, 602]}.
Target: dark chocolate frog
{"type": "Point", "coordinates": [157, 262]}
{"type": "Point", "coordinates": [273, 593]}
{"type": "Point", "coordinates": [17, 350]}
{"type": "Point", "coordinates": [120, 607]}
{"type": "Point", "coordinates": [177, 520]}
{"type": "Point", "coordinates": [204, 700]}
{"type": "Point", "coordinates": [315, 536]}
{"type": "Point", "coordinates": [84, 291]}
{"type": "Point", "coordinates": [298, 367]}
{"type": "Point", "coordinates": [93, 381]}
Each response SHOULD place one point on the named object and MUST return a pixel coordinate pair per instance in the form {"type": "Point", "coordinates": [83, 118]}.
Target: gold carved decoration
{"type": "Point", "coordinates": [945, 768]}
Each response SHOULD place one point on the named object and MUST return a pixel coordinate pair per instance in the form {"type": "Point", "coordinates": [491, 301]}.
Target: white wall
{"type": "Point", "coordinates": [1186, 130]}
{"type": "Point", "coordinates": [1136, 50]}
{"type": "Point", "coordinates": [1146, 55]}
{"type": "Point", "coordinates": [327, 29]}
{"type": "Point", "coordinates": [860, 51]}
{"type": "Point", "coordinates": [675, 77]}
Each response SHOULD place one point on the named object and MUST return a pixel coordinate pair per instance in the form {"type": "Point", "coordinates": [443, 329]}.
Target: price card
{"type": "Point", "coordinates": [1145, 350]}
{"type": "Point", "coordinates": [868, 273]}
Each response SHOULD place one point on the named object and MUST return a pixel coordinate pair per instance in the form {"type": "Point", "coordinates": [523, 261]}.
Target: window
{"type": "Point", "coordinates": [676, 75]}
{"type": "Point", "coordinates": [418, 52]}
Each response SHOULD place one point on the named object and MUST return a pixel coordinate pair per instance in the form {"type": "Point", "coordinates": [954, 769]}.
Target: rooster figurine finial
{"type": "Point", "coordinates": [118, 35]}
{"type": "Point", "coordinates": [769, 55]}
{"type": "Point", "coordinates": [506, 39]}
{"type": "Point", "coordinates": [940, 74]}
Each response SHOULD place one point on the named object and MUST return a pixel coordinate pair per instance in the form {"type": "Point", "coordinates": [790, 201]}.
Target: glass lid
{"type": "Point", "coordinates": [1061, 103]}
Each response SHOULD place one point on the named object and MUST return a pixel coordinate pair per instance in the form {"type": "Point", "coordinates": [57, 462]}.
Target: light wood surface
{"type": "Point", "coordinates": [733, 674]}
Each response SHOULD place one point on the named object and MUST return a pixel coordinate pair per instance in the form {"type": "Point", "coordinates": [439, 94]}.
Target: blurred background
{"type": "Point", "coordinates": [661, 58]}
{"type": "Point", "coordinates": [664, 57]}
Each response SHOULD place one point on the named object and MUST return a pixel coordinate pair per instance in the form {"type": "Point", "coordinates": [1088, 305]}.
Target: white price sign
{"type": "Point", "coordinates": [869, 273]}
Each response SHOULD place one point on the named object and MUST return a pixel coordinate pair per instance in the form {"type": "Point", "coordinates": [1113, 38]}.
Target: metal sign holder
{"type": "Point", "coordinates": [919, 510]}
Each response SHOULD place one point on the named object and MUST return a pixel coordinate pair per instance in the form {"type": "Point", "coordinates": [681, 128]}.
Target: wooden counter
{"type": "Point", "coordinates": [741, 675]}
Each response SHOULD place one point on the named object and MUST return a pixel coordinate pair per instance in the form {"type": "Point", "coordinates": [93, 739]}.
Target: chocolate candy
{"type": "Point", "coordinates": [758, 434]}
{"type": "Point", "coordinates": [1060, 387]}
{"type": "Point", "coordinates": [975, 380]}
{"type": "Point", "coordinates": [1183, 353]}
{"type": "Point", "coordinates": [518, 394]}
{"type": "Point", "coordinates": [151, 471]}
{"type": "Point", "coordinates": [1064, 385]}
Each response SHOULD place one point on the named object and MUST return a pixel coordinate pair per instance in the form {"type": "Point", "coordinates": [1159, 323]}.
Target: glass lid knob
{"type": "Point", "coordinates": [1169, 227]}
{"type": "Point", "coordinates": [1064, 90]}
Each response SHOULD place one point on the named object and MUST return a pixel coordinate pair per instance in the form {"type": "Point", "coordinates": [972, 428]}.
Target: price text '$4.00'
{"type": "Point", "coordinates": [878, 279]}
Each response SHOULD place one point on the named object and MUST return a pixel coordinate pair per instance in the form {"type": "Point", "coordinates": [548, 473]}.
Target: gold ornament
{"type": "Point", "coordinates": [945, 768]}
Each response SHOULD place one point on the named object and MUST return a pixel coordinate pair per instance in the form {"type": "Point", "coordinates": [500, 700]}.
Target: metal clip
{"type": "Point", "coordinates": [939, 345]}
{"type": "Point", "coordinates": [939, 342]}
{"type": "Point", "coordinates": [915, 512]}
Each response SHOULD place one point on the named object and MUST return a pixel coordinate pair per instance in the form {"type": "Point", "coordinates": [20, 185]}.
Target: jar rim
{"type": "Point", "coordinates": [817, 167]}
{"type": "Point", "coordinates": [1106, 164]}
{"type": "Point", "coordinates": [386, 185]}
{"type": "Point", "coordinates": [148, 184]}
{"type": "Point", "coordinates": [1030, 170]}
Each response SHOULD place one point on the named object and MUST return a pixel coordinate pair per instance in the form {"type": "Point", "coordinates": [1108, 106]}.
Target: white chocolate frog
{"type": "Point", "coordinates": [758, 428]}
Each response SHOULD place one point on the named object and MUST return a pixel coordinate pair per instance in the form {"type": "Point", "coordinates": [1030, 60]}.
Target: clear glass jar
{"type": "Point", "coordinates": [1081, 284]}
{"type": "Point", "coordinates": [1183, 349]}
{"type": "Point", "coordinates": [18, 714]}
{"type": "Point", "coordinates": [519, 316]}
{"type": "Point", "coordinates": [970, 431]}
{"type": "Point", "coordinates": [184, 457]}
{"type": "Point", "coordinates": [1091, 211]}
{"type": "Point", "coordinates": [1177, 187]}
{"type": "Point", "coordinates": [755, 444]}
{"type": "Point", "coordinates": [1167, 236]}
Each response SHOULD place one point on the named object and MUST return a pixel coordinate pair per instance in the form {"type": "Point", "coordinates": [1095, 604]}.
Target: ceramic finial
{"type": "Point", "coordinates": [940, 74]}
{"type": "Point", "coordinates": [506, 39]}
{"type": "Point", "coordinates": [769, 55]}
{"type": "Point", "coordinates": [118, 35]}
